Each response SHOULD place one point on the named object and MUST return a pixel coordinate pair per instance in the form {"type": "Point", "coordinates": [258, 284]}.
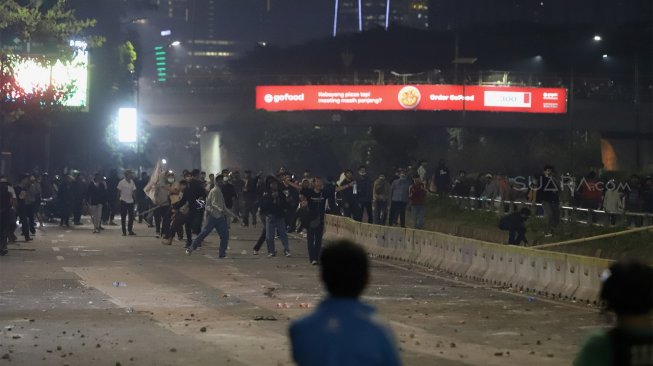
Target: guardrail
{"type": "Point", "coordinates": [549, 274]}
{"type": "Point", "coordinates": [567, 213]}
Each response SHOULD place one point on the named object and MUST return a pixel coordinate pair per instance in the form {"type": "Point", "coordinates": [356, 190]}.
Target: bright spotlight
{"type": "Point", "coordinates": [175, 43]}
{"type": "Point", "coordinates": [164, 161]}
{"type": "Point", "coordinates": [597, 38]}
{"type": "Point", "coordinates": [127, 125]}
{"type": "Point", "coordinates": [605, 55]}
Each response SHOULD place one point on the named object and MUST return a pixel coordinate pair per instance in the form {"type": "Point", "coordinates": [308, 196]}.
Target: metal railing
{"type": "Point", "coordinates": [579, 215]}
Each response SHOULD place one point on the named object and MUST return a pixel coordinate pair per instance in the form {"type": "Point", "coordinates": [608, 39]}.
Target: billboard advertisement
{"type": "Point", "coordinates": [411, 97]}
{"type": "Point", "coordinates": [32, 75]}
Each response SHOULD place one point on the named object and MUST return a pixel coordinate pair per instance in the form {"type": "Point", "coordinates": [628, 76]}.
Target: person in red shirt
{"type": "Point", "coordinates": [417, 199]}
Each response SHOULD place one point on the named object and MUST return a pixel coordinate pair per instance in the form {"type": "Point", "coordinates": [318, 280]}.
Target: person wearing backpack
{"type": "Point", "coordinates": [628, 292]}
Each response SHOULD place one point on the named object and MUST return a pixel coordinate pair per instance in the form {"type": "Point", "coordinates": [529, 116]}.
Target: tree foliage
{"type": "Point", "coordinates": [49, 27]}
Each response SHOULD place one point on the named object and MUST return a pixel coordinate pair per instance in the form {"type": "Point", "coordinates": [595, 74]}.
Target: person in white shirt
{"type": "Point", "coordinates": [126, 195]}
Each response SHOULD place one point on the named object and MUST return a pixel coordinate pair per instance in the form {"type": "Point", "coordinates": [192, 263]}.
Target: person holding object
{"type": "Point", "coordinates": [216, 219]}
{"type": "Point", "coordinates": [514, 224]}
{"type": "Point", "coordinates": [343, 330]}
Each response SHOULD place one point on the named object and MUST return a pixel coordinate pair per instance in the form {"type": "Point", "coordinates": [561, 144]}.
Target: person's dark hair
{"type": "Point", "coordinates": [195, 173]}
{"type": "Point", "coordinates": [219, 178]}
{"type": "Point", "coordinates": [628, 290]}
{"type": "Point", "coordinates": [345, 269]}
{"type": "Point", "coordinates": [548, 166]}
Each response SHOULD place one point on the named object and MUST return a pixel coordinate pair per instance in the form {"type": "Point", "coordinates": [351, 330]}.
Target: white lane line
{"type": "Point", "coordinates": [60, 236]}
{"type": "Point", "coordinates": [59, 258]}
{"type": "Point", "coordinates": [54, 241]}
{"type": "Point", "coordinates": [56, 249]}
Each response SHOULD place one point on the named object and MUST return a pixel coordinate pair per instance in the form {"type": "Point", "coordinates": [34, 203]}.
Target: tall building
{"type": "Point", "coordinates": [359, 15]}
{"type": "Point", "coordinates": [457, 14]}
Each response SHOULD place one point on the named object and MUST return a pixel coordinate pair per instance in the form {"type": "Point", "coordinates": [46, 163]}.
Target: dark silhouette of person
{"type": "Point", "coordinates": [514, 224]}
{"type": "Point", "coordinates": [343, 330]}
{"type": "Point", "coordinates": [628, 292]}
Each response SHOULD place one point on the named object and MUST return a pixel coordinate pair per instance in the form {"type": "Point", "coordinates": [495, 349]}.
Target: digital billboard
{"type": "Point", "coordinates": [32, 75]}
{"type": "Point", "coordinates": [411, 97]}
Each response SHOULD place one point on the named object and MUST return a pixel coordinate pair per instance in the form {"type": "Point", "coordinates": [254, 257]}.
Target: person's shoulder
{"type": "Point", "coordinates": [596, 351]}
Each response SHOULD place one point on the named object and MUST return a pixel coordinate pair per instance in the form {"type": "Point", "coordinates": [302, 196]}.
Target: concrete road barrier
{"type": "Point", "coordinates": [544, 273]}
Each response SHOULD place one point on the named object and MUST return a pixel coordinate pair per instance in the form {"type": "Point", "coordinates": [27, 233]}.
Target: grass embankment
{"type": "Point", "coordinates": [446, 216]}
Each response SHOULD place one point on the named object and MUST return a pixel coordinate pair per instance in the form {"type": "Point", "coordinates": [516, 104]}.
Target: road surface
{"type": "Point", "coordinates": [59, 306]}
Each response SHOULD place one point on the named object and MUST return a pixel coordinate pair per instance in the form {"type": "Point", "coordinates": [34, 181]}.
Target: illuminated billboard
{"type": "Point", "coordinates": [32, 75]}
{"type": "Point", "coordinates": [411, 97]}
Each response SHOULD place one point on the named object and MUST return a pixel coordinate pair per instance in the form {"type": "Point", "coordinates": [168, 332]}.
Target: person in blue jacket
{"type": "Point", "coordinates": [343, 331]}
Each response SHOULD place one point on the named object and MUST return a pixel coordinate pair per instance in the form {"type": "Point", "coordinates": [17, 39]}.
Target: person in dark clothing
{"type": "Point", "coordinates": [364, 193]}
{"type": "Point", "coordinates": [250, 198]}
{"type": "Point", "coordinates": [195, 195]}
{"type": "Point", "coordinates": [349, 195]}
{"type": "Point", "coordinates": [65, 199]}
{"type": "Point", "coordinates": [228, 190]}
{"type": "Point", "coordinates": [7, 214]}
{"type": "Point", "coordinates": [292, 200]}
{"type": "Point", "coordinates": [79, 193]}
{"type": "Point", "coordinates": [628, 292]}
{"type": "Point", "coordinates": [461, 186]}
{"type": "Point", "coordinates": [442, 179]}
{"type": "Point", "coordinates": [274, 207]}
{"type": "Point", "coordinates": [112, 194]}
{"type": "Point", "coordinates": [548, 195]}
{"type": "Point", "coordinates": [96, 197]}
{"type": "Point", "coordinates": [514, 224]}
{"type": "Point", "coordinates": [316, 197]}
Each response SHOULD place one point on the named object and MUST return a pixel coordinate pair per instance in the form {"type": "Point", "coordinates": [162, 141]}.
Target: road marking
{"type": "Point", "coordinates": [60, 236]}
{"type": "Point", "coordinates": [90, 250]}
{"type": "Point", "coordinates": [54, 241]}
{"type": "Point", "coordinates": [56, 249]}
{"type": "Point", "coordinates": [59, 258]}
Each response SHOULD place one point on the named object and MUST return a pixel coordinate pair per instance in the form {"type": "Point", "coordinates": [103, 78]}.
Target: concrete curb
{"type": "Point", "coordinates": [555, 275]}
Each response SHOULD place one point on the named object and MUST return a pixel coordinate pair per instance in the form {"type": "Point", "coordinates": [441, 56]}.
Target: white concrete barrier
{"type": "Point", "coordinates": [545, 273]}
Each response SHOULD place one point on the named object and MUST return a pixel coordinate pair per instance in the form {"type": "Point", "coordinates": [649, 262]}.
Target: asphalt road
{"type": "Point", "coordinates": [59, 306]}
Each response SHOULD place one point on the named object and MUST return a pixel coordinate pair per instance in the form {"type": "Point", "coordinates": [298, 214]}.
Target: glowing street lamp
{"type": "Point", "coordinates": [127, 125]}
{"type": "Point", "coordinates": [597, 38]}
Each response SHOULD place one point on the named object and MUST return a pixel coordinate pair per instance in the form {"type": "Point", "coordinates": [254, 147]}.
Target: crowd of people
{"type": "Point", "coordinates": [194, 204]}
{"type": "Point", "coordinates": [177, 205]}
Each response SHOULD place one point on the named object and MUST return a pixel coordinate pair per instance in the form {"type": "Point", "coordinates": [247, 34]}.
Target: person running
{"type": "Point", "coordinates": [343, 330]}
{"type": "Point", "coordinates": [217, 219]}
{"type": "Point", "coordinates": [628, 292]}
{"type": "Point", "coordinates": [126, 194]}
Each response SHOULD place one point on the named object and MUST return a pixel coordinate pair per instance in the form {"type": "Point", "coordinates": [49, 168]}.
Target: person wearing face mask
{"type": "Point", "coordinates": [96, 197]}
{"type": "Point", "coordinates": [399, 197]}
{"type": "Point", "coordinates": [364, 192]}
{"type": "Point", "coordinates": [380, 197]}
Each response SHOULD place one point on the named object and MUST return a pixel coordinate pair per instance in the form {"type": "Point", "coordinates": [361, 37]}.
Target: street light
{"type": "Point", "coordinates": [175, 43]}
{"type": "Point", "coordinates": [605, 55]}
{"type": "Point", "coordinates": [597, 38]}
